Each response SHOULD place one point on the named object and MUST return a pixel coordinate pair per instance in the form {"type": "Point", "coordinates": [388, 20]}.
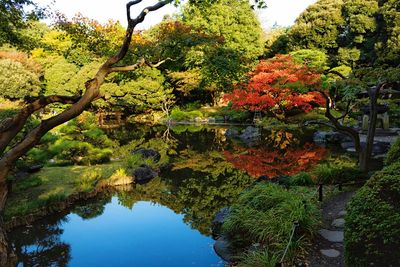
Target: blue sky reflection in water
{"type": "Point", "coordinates": [149, 235]}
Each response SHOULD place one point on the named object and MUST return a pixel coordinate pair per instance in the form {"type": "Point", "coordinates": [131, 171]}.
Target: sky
{"type": "Point", "coordinates": [280, 12]}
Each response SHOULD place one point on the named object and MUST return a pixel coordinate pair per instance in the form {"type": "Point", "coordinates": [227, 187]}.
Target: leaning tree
{"type": "Point", "coordinates": [11, 127]}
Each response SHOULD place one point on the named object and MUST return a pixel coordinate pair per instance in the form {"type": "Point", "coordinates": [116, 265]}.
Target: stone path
{"type": "Point", "coordinates": [327, 249]}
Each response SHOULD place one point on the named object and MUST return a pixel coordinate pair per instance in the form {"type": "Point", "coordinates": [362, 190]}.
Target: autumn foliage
{"type": "Point", "coordinates": [258, 161]}
{"type": "Point", "coordinates": [278, 85]}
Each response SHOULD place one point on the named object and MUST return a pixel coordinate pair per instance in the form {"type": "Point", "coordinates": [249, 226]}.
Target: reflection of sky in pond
{"type": "Point", "coordinates": [149, 235]}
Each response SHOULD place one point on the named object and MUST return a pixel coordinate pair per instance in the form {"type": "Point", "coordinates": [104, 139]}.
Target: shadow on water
{"type": "Point", "coordinates": [166, 221]}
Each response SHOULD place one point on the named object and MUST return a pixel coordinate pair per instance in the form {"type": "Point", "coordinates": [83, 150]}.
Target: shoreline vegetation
{"type": "Point", "coordinates": [224, 115]}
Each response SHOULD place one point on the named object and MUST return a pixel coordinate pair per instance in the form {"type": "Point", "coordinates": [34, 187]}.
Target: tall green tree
{"type": "Point", "coordinates": [352, 32]}
{"type": "Point", "coordinates": [235, 21]}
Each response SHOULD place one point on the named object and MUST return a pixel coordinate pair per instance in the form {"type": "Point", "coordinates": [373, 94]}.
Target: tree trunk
{"type": "Point", "coordinates": [366, 151]}
{"type": "Point", "coordinates": [7, 257]}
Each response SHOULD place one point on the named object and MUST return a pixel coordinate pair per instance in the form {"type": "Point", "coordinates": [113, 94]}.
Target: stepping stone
{"type": "Point", "coordinates": [331, 253]}
{"type": "Point", "coordinates": [339, 223]}
{"type": "Point", "coordinates": [332, 236]}
{"type": "Point", "coordinates": [342, 213]}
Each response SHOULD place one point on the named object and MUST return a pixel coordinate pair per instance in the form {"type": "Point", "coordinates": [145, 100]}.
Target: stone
{"type": "Point", "coordinates": [332, 236]}
{"type": "Point", "coordinates": [221, 247]}
{"type": "Point", "coordinates": [339, 223]}
{"type": "Point", "coordinates": [321, 137]}
{"type": "Point", "coordinates": [232, 133]}
{"type": "Point", "coordinates": [342, 213]}
{"type": "Point", "coordinates": [346, 145]}
{"type": "Point", "coordinates": [331, 253]}
{"type": "Point", "coordinates": [147, 153]}
{"type": "Point", "coordinates": [144, 174]}
{"type": "Point", "coordinates": [34, 168]}
{"type": "Point", "coordinates": [250, 133]}
{"type": "Point", "coordinates": [218, 220]}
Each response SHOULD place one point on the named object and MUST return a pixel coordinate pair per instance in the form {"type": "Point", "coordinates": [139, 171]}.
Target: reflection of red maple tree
{"type": "Point", "coordinates": [278, 85]}
{"type": "Point", "coordinates": [257, 162]}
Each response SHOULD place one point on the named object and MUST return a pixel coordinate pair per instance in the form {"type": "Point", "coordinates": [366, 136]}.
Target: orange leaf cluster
{"type": "Point", "coordinates": [278, 84]}
{"type": "Point", "coordinates": [257, 162]}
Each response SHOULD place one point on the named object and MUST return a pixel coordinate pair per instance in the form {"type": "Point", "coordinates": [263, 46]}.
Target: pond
{"type": "Point", "coordinates": [167, 221]}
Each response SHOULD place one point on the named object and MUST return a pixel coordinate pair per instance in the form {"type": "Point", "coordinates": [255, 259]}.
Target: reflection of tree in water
{"type": "Point", "coordinates": [203, 183]}
{"type": "Point", "coordinates": [41, 245]}
{"type": "Point", "coordinates": [92, 209]}
{"type": "Point", "coordinates": [262, 161]}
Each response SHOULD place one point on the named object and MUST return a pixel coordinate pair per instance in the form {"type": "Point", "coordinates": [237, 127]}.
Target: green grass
{"type": "Point", "coordinates": [52, 184]}
{"type": "Point", "coordinates": [264, 214]}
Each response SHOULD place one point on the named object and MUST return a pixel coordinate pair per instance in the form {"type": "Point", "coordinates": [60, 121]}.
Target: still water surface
{"type": "Point", "coordinates": [167, 221]}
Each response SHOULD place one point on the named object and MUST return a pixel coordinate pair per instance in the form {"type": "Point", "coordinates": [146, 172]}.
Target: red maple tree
{"type": "Point", "coordinates": [279, 85]}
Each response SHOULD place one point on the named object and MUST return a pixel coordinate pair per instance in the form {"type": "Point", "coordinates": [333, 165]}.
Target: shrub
{"type": "Point", "coordinates": [180, 115]}
{"type": "Point", "coordinates": [134, 161]}
{"type": "Point", "coordinates": [265, 214]}
{"type": "Point", "coordinates": [330, 174]}
{"type": "Point", "coordinates": [302, 179]}
{"type": "Point", "coordinates": [232, 114]}
{"type": "Point", "coordinates": [372, 226]}
{"type": "Point", "coordinates": [393, 155]}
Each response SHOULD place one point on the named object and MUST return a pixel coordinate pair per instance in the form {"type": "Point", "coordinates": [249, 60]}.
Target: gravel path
{"type": "Point", "coordinates": [327, 248]}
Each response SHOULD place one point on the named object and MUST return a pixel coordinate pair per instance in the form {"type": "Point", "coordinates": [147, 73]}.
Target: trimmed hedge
{"type": "Point", "coordinates": [372, 230]}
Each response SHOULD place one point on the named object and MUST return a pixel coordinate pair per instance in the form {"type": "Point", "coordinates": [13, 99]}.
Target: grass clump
{"type": "Point", "coordinates": [327, 173]}
{"type": "Point", "coordinates": [32, 181]}
{"type": "Point", "coordinates": [265, 214]}
{"type": "Point", "coordinates": [301, 179]}
{"type": "Point", "coordinates": [88, 180]}
{"type": "Point", "coordinates": [372, 226]}
{"type": "Point", "coordinates": [258, 259]}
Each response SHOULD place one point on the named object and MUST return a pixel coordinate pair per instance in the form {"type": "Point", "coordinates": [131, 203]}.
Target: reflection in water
{"type": "Point", "coordinates": [257, 161]}
{"type": "Point", "coordinates": [167, 221]}
{"type": "Point", "coordinates": [41, 244]}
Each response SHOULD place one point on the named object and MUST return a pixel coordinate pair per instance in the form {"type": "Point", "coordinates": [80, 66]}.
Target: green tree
{"type": "Point", "coordinates": [13, 17]}
{"type": "Point", "coordinates": [318, 27]}
{"type": "Point", "coordinates": [352, 32]}
{"type": "Point", "coordinates": [234, 21]}
{"type": "Point", "coordinates": [312, 58]}
{"type": "Point", "coordinates": [16, 82]}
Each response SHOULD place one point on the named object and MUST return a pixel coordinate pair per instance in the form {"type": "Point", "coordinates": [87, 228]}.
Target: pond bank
{"type": "Point", "coordinates": [55, 189]}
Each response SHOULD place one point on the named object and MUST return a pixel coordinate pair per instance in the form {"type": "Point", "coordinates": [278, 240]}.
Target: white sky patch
{"type": "Point", "coordinates": [281, 12]}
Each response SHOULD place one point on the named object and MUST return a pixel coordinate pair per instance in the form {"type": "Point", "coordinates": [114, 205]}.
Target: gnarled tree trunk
{"type": "Point", "coordinates": [12, 126]}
